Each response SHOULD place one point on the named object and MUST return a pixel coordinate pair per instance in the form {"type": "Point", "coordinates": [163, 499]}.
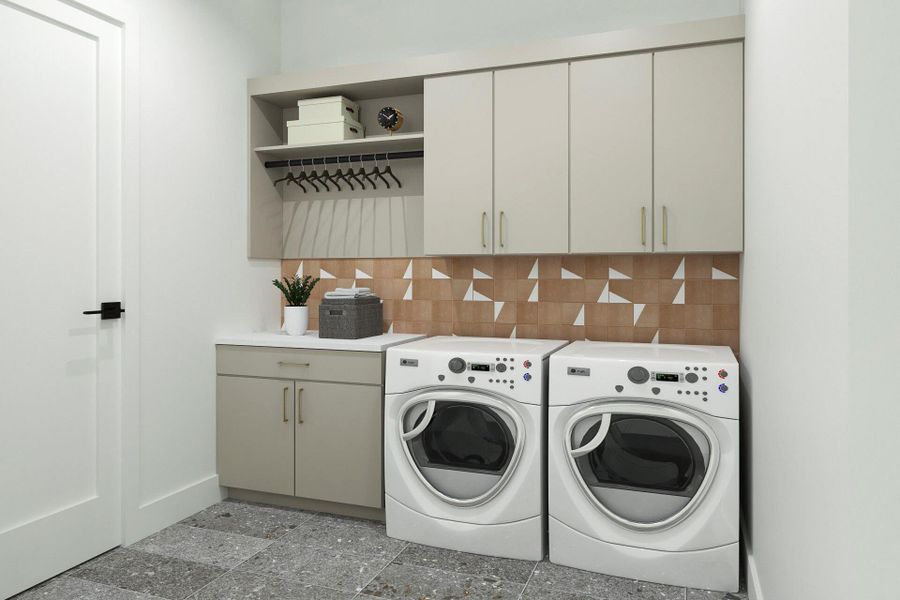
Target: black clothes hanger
{"type": "Point", "coordinates": [388, 171]}
{"type": "Point", "coordinates": [339, 174]}
{"type": "Point", "coordinates": [378, 174]}
{"type": "Point", "coordinates": [314, 176]}
{"type": "Point", "coordinates": [362, 171]}
{"type": "Point", "coordinates": [327, 175]}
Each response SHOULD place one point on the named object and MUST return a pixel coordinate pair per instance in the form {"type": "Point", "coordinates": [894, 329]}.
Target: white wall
{"type": "Point", "coordinates": [195, 278]}
{"type": "Point", "coordinates": [874, 292]}
{"type": "Point", "coordinates": [794, 330]}
{"type": "Point", "coordinates": [318, 34]}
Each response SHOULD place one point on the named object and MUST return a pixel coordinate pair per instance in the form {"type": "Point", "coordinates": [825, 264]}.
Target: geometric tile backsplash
{"type": "Point", "coordinates": [663, 298]}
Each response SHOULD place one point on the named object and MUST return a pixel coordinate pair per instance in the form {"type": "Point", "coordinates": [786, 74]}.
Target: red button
{"type": "Point", "coordinates": [527, 364]}
{"type": "Point", "coordinates": [723, 373]}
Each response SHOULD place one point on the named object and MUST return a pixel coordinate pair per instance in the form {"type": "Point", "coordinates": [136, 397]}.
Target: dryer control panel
{"type": "Point", "coordinates": [711, 387]}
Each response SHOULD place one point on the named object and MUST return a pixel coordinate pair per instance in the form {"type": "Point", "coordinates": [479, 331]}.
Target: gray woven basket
{"type": "Point", "coordinates": [350, 318]}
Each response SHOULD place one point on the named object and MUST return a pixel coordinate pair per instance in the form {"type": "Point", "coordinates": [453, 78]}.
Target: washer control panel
{"type": "Point", "coordinates": [511, 375]}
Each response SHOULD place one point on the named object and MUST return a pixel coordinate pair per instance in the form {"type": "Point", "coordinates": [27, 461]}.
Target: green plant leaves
{"type": "Point", "coordinates": [296, 289]}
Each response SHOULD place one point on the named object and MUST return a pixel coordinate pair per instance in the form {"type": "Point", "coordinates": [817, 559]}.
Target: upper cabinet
{"type": "Point", "coordinates": [611, 141]}
{"type": "Point", "coordinates": [698, 149]}
{"type": "Point", "coordinates": [531, 160]}
{"type": "Point", "coordinates": [459, 169]}
{"type": "Point", "coordinates": [608, 143]}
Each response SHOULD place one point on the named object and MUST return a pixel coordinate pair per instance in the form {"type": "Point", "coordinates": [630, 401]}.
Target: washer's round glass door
{"type": "Point", "coordinates": [464, 450]}
{"type": "Point", "coordinates": [644, 469]}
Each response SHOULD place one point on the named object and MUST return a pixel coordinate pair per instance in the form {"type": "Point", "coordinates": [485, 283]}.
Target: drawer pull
{"type": "Point", "coordinates": [284, 417]}
{"type": "Point", "coordinates": [300, 406]}
{"type": "Point", "coordinates": [282, 363]}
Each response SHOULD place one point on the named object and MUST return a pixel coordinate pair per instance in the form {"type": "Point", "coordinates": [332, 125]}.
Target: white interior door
{"type": "Point", "coordinates": [60, 254]}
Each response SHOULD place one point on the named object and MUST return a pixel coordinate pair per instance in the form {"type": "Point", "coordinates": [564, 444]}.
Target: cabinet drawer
{"type": "Point", "coordinates": [314, 365]}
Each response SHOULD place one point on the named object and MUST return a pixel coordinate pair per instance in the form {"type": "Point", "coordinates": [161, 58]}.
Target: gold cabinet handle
{"type": "Point", "coordinates": [300, 406]}
{"type": "Point", "coordinates": [282, 363]}
{"type": "Point", "coordinates": [665, 228]}
{"type": "Point", "coordinates": [284, 417]}
{"type": "Point", "coordinates": [501, 228]}
{"type": "Point", "coordinates": [643, 226]}
{"type": "Point", "coordinates": [483, 224]}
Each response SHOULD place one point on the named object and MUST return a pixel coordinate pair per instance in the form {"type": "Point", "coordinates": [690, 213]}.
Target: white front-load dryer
{"type": "Point", "coordinates": [643, 462]}
{"type": "Point", "coordinates": [464, 444]}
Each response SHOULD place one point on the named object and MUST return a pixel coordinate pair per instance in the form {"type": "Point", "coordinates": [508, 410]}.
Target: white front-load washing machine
{"type": "Point", "coordinates": [464, 444]}
{"type": "Point", "coordinates": [643, 462]}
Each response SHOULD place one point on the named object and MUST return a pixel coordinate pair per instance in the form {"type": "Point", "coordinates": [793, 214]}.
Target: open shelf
{"type": "Point", "coordinates": [375, 143]}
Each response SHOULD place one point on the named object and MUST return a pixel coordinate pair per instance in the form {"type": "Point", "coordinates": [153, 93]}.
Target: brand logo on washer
{"type": "Point", "coordinates": [579, 371]}
{"type": "Point", "coordinates": [409, 362]}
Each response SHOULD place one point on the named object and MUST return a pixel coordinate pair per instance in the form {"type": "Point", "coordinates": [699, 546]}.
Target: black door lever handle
{"type": "Point", "coordinates": [108, 310]}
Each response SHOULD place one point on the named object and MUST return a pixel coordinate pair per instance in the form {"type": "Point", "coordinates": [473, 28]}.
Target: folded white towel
{"type": "Point", "coordinates": [349, 293]}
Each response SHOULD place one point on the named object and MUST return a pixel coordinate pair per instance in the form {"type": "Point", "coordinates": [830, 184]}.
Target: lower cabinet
{"type": "Point", "coordinates": [317, 440]}
{"type": "Point", "coordinates": [338, 443]}
{"type": "Point", "coordinates": [255, 434]}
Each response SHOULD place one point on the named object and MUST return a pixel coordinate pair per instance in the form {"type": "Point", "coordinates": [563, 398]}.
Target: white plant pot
{"type": "Point", "coordinates": [296, 319]}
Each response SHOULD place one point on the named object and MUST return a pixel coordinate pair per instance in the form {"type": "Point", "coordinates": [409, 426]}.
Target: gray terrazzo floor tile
{"type": "Point", "coordinates": [402, 582]}
{"type": "Point", "coordinates": [341, 571]}
{"type": "Point", "coordinates": [336, 570]}
{"type": "Point", "coordinates": [280, 560]}
{"type": "Point", "coordinates": [242, 585]}
{"type": "Point", "coordinates": [367, 538]}
{"type": "Point", "coordinates": [693, 594]}
{"type": "Point", "coordinates": [463, 562]}
{"type": "Point", "coordinates": [535, 592]}
{"type": "Point", "coordinates": [147, 573]}
{"type": "Point", "coordinates": [248, 519]}
{"type": "Point", "coordinates": [202, 545]}
{"type": "Point", "coordinates": [71, 588]}
{"type": "Point", "coordinates": [556, 577]}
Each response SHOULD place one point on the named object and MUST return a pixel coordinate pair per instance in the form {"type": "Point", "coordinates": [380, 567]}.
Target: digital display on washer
{"type": "Point", "coordinates": [674, 377]}
{"type": "Point", "coordinates": [479, 367]}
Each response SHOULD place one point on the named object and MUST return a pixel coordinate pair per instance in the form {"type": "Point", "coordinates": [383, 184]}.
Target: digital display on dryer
{"type": "Point", "coordinates": [479, 367]}
{"type": "Point", "coordinates": [673, 377]}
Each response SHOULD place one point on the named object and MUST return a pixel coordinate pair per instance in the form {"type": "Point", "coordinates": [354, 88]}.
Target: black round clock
{"type": "Point", "coordinates": [390, 118]}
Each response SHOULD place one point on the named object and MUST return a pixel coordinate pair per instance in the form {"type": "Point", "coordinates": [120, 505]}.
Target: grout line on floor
{"type": "Point", "coordinates": [528, 580]}
{"type": "Point", "coordinates": [380, 571]}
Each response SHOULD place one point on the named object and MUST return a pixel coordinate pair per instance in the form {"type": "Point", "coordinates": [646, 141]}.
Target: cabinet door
{"type": "Point", "coordinates": [531, 159]}
{"type": "Point", "coordinates": [255, 434]}
{"type": "Point", "coordinates": [459, 164]}
{"type": "Point", "coordinates": [698, 148]}
{"type": "Point", "coordinates": [611, 133]}
{"type": "Point", "coordinates": [339, 445]}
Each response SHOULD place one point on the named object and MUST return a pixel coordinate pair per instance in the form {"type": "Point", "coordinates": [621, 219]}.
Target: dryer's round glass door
{"type": "Point", "coordinates": [642, 468]}
{"type": "Point", "coordinates": [464, 449]}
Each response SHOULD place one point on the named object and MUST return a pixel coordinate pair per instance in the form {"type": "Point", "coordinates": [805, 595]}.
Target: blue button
{"type": "Point", "coordinates": [527, 376]}
{"type": "Point", "coordinates": [723, 388]}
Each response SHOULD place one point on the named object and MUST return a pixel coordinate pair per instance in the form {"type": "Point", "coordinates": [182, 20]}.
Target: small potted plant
{"type": "Point", "coordinates": [296, 292]}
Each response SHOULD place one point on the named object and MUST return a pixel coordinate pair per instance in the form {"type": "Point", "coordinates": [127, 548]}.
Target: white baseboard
{"type": "Point", "coordinates": [754, 590]}
{"type": "Point", "coordinates": [170, 508]}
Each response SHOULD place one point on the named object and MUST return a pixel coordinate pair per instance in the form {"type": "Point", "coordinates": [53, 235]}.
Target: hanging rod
{"type": "Point", "coordinates": [349, 158]}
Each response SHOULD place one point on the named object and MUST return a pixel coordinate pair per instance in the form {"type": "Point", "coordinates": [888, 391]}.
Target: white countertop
{"type": "Point", "coordinates": [312, 341]}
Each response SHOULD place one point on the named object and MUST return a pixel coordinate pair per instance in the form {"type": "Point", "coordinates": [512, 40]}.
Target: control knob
{"type": "Point", "coordinates": [638, 375]}
{"type": "Point", "coordinates": [456, 365]}
{"type": "Point", "coordinates": [501, 368]}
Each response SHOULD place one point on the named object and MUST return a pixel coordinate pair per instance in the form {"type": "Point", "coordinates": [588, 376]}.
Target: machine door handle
{"type": "Point", "coordinates": [108, 310]}
{"type": "Point", "coordinates": [605, 421]}
{"type": "Point", "coordinates": [429, 413]}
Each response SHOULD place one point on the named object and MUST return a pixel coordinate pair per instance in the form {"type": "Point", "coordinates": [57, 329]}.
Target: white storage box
{"type": "Point", "coordinates": [343, 129]}
{"type": "Point", "coordinates": [327, 110]}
